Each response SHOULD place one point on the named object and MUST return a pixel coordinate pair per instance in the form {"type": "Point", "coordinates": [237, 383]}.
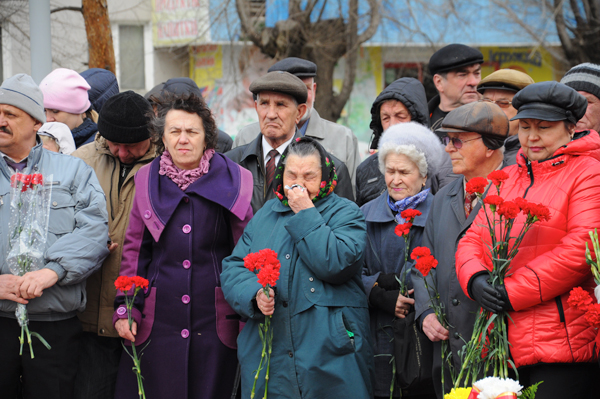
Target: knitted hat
{"type": "Point", "coordinates": [61, 134]}
{"type": "Point", "coordinates": [21, 91]}
{"type": "Point", "coordinates": [103, 84]}
{"type": "Point", "coordinates": [124, 118]}
{"type": "Point", "coordinates": [584, 77]}
{"type": "Point", "coordinates": [65, 90]}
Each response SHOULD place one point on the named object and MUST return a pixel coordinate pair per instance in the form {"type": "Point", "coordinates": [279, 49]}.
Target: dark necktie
{"type": "Point", "coordinates": [469, 198]}
{"type": "Point", "coordinates": [17, 166]}
{"type": "Point", "coordinates": [271, 167]}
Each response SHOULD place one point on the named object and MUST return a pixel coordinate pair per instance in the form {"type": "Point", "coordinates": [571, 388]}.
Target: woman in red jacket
{"type": "Point", "coordinates": [560, 168]}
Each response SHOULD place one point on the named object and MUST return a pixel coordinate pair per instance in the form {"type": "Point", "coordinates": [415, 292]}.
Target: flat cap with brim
{"type": "Point", "coordinates": [454, 56]}
{"type": "Point", "coordinates": [549, 101]}
{"type": "Point", "coordinates": [281, 82]}
{"type": "Point", "coordinates": [296, 66]}
{"type": "Point", "coordinates": [484, 118]}
{"type": "Point", "coordinates": [505, 79]}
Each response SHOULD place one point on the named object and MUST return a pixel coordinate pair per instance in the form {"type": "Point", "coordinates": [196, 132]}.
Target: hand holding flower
{"type": "Point", "coordinates": [403, 305]}
{"type": "Point", "coordinates": [9, 288]}
{"type": "Point", "coordinates": [266, 305]}
{"type": "Point", "coordinates": [34, 283]}
{"type": "Point", "coordinates": [434, 329]}
{"type": "Point", "coordinates": [122, 327]}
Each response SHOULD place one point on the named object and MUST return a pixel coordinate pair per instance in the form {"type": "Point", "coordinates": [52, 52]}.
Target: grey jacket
{"type": "Point", "coordinates": [250, 155]}
{"type": "Point", "coordinates": [337, 140]}
{"type": "Point", "coordinates": [77, 232]}
{"type": "Point", "coordinates": [445, 226]}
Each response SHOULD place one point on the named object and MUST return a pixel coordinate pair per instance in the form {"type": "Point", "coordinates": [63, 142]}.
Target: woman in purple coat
{"type": "Point", "coordinates": [190, 208]}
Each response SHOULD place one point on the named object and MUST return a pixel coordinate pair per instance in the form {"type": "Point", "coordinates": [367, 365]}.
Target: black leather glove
{"type": "Point", "coordinates": [384, 300]}
{"type": "Point", "coordinates": [485, 294]}
{"type": "Point", "coordinates": [388, 281]}
{"type": "Point", "coordinates": [501, 289]}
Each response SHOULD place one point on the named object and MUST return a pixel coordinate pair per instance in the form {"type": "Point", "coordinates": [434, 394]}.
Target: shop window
{"type": "Point", "coordinates": [131, 57]}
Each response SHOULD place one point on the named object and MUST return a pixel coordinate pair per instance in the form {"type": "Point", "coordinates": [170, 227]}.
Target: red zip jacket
{"type": "Point", "coordinates": [551, 258]}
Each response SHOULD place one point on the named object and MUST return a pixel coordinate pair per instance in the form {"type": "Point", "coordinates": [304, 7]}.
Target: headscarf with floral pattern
{"type": "Point", "coordinates": [328, 175]}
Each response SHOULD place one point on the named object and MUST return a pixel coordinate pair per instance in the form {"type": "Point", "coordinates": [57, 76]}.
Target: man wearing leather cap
{"type": "Point", "coordinates": [280, 104]}
{"type": "Point", "coordinates": [456, 71]}
{"type": "Point", "coordinates": [499, 88]}
{"type": "Point", "coordinates": [121, 147]}
{"type": "Point", "coordinates": [475, 135]}
{"type": "Point", "coordinates": [338, 140]}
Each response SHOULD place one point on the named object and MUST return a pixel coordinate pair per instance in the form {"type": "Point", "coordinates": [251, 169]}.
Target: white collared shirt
{"type": "Point", "coordinates": [266, 147]}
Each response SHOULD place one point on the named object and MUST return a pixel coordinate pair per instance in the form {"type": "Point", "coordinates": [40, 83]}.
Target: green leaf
{"type": "Point", "coordinates": [529, 392]}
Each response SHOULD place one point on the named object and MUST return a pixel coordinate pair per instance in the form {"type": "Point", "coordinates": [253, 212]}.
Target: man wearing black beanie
{"type": "Point", "coordinates": [121, 147]}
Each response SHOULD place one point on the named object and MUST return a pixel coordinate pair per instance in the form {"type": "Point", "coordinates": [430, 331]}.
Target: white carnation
{"type": "Point", "coordinates": [597, 293]}
{"type": "Point", "coordinates": [491, 387]}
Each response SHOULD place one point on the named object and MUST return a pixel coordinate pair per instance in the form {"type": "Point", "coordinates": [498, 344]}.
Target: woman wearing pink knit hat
{"type": "Point", "coordinates": [66, 100]}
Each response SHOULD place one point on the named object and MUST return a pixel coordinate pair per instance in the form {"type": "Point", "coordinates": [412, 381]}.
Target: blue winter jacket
{"type": "Point", "coordinates": [77, 232]}
{"type": "Point", "coordinates": [321, 345]}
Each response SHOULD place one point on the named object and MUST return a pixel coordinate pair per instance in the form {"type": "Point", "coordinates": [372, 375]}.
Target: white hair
{"type": "Point", "coordinates": [416, 142]}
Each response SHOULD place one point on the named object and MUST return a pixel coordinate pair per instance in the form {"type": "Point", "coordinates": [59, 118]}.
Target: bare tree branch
{"type": "Point", "coordinates": [373, 22]}
{"type": "Point", "coordinates": [247, 27]}
{"type": "Point", "coordinates": [78, 9]}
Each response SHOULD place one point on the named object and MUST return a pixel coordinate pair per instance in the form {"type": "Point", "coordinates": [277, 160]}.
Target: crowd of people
{"type": "Point", "coordinates": [149, 186]}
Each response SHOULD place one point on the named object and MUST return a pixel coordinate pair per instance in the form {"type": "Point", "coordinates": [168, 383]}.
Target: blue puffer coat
{"type": "Point", "coordinates": [319, 299]}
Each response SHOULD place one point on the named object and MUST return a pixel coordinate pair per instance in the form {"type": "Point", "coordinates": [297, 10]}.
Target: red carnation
{"type": "Point", "coordinates": [592, 316]}
{"type": "Point", "coordinates": [410, 214]}
{"type": "Point", "coordinates": [123, 283]}
{"type": "Point", "coordinates": [419, 252]}
{"type": "Point", "coordinates": [541, 212]}
{"type": "Point", "coordinates": [250, 261]}
{"type": "Point", "coordinates": [509, 210]}
{"type": "Point", "coordinates": [497, 177]}
{"type": "Point", "coordinates": [493, 201]}
{"type": "Point", "coordinates": [424, 264]}
{"type": "Point", "coordinates": [37, 179]}
{"type": "Point", "coordinates": [476, 185]}
{"type": "Point", "coordinates": [523, 204]}
{"type": "Point", "coordinates": [579, 299]}
{"type": "Point", "coordinates": [269, 275]}
{"type": "Point", "coordinates": [403, 229]}
{"type": "Point", "coordinates": [139, 282]}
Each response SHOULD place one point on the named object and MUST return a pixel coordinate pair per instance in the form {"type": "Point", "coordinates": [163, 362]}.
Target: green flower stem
{"type": "Point", "coordinates": [137, 365]}
{"type": "Point", "coordinates": [269, 334]}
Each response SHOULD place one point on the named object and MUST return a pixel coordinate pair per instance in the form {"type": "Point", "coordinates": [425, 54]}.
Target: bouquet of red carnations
{"type": "Point", "coordinates": [28, 224]}
{"type": "Point", "coordinates": [488, 349]}
{"type": "Point", "coordinates": [265, 265]}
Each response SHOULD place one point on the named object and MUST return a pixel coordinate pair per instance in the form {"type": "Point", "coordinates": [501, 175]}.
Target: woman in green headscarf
{"type": "Point", "coordinates": [320, 319]}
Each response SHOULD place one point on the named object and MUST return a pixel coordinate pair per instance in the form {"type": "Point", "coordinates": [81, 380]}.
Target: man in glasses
{"type": "Point", "coordinates": [475, 134]}
{"type": "Point", "coordinates": [499, 88]}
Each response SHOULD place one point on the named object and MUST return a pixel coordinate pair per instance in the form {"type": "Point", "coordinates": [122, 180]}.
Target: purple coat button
{"type": "Point", "coordinates": [121, 311]}
{"type": "Point", "coordinates": [147, 214]}
{"type": "Point", "coordinates": [185, 333]}
{"type": "Point", "coordinates": [185, 299]}
{"type": "Point", "coordinates": [186, 264]}
{"type": "Point", "coordinates": [187, 228]}
{"type": "Point", "coordinates": [186, 200]}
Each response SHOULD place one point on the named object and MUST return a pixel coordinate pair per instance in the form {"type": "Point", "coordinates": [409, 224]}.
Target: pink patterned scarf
{"type": "Point", "coordinates": [183, 177]}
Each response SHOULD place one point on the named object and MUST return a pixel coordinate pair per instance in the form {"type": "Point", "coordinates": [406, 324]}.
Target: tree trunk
{"type": "Point", "coordinates": [99, 36]}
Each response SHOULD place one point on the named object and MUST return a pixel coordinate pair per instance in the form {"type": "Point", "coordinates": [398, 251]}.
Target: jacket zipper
{"type": "Point", "coordinates": [530, 173]}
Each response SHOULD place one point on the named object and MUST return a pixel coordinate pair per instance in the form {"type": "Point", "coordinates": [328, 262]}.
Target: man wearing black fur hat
{"type": "Point", "coordinates": [121, 147]}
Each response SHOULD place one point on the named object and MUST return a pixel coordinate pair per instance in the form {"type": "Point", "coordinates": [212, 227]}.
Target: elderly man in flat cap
{"type": "Point", "coordinates": [280, 104]}
{"type": "Point", "coordinates": [456, 71]}
{"type": "Point", "coordinates": [75, 247]}
{"type": "Point", "coordinates": [338, 140]}
{"type": "Point", "coordinates": [499, 88]}
{"type": "Point", "coordinates": [475, 148]}
{"type": "Point", "coordinates": [585, 78]}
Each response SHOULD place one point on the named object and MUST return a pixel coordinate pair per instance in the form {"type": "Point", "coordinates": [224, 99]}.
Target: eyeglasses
{"type": "Point", "coordinates": [500, 103]}
{"type": "Point", "coordinates": [456, 142]}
